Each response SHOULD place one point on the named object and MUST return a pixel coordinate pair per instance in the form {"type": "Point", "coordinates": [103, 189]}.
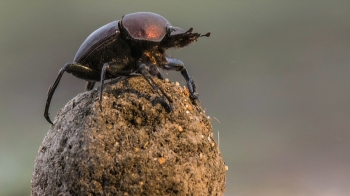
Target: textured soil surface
{"type": "Point", "coordinates": [134, 146]}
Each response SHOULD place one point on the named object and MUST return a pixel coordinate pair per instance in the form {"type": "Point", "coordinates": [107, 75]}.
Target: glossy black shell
{"type": "Point", "coordinates": [97, 38]}
{"type": "Point", "coordinates": [102, 46]}
{"type": "Point", "coordinates": [145, 26]}
{"type": "Point", "coordinates": [108, 45]}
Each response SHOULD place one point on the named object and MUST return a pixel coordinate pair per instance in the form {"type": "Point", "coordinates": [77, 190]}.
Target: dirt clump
{"type": "Point", "coordinates": [135, 146]}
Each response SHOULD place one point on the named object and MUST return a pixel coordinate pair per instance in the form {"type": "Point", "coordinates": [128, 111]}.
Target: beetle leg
{"type": "Point", "coordinates": [154, 71]}
{"type": "Point", "coordinates": [74, 68]}
{"type": "Point", "coordinates": [114, 71]}
{"type": "Point", "coordinates": [90, 85]}
{"type": "Point", "coordinates": [159, 75]}
{"type": "Point", "coordinates": [177, 65]}
{"type": "Point", "coordinates": [103, 73]}
{"type": "Point", "coordinates": [149, 79]}
{"type": "Point", "coordinates": [52, 91]}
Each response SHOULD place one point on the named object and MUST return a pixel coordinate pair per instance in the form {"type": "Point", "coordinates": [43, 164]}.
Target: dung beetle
{"type": "Point", "coordinates": [136, 44]}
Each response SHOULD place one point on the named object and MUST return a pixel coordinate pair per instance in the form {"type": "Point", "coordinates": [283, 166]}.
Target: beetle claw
{"type": "Point", "coordinates": [194, 96]}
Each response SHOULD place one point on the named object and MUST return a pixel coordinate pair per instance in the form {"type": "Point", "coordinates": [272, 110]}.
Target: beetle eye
{"type": "Point", "coordinates": [169, 30]}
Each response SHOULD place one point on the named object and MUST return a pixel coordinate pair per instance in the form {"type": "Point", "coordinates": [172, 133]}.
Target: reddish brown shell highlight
{"type": "Point", "coordinates": [145, 26]}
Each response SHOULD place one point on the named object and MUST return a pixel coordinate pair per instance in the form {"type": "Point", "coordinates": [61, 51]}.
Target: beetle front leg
{"type": "Point", "coordinates": [77, 70]}
{"type": "Point", "coordinates": [144, 71]}
{"type": "Point", "coordinates": [154, 71]}
{"type": "Point", "coordinates": [177, 65]}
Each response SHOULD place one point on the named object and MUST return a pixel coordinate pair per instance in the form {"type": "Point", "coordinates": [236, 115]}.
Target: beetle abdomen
{"type": "Point", "coordinates": [98, 38]}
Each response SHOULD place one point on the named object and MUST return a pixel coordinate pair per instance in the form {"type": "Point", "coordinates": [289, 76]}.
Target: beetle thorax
{"type": "Point", "coordinates": [155, 57]}
{"type": "Point", "coordinates": [145, 26]}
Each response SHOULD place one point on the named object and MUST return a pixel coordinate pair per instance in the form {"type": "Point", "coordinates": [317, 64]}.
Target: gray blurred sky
{"type": "Point", "coordinates": [275, 74]}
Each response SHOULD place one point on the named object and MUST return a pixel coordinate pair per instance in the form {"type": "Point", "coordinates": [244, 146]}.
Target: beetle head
{"type": "Point", "coordinates": [177, 37]}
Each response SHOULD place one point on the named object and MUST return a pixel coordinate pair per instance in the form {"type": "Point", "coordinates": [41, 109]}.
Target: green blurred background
{"type": "Point", "coordinates": [274, 73]}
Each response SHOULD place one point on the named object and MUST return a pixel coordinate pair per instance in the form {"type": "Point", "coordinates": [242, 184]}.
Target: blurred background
{"type": "Point", "coordinates": [274, 73]}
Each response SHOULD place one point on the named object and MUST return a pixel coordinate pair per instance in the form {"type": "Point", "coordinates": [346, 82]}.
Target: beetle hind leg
{"type": "Point", "coordinates": [52, 91]}
{"type": "Point", "coordinates": [76, 69]}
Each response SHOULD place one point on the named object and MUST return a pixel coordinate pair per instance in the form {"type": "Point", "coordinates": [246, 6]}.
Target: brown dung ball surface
{"type": "Point", "coordinates": [134, 146]}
